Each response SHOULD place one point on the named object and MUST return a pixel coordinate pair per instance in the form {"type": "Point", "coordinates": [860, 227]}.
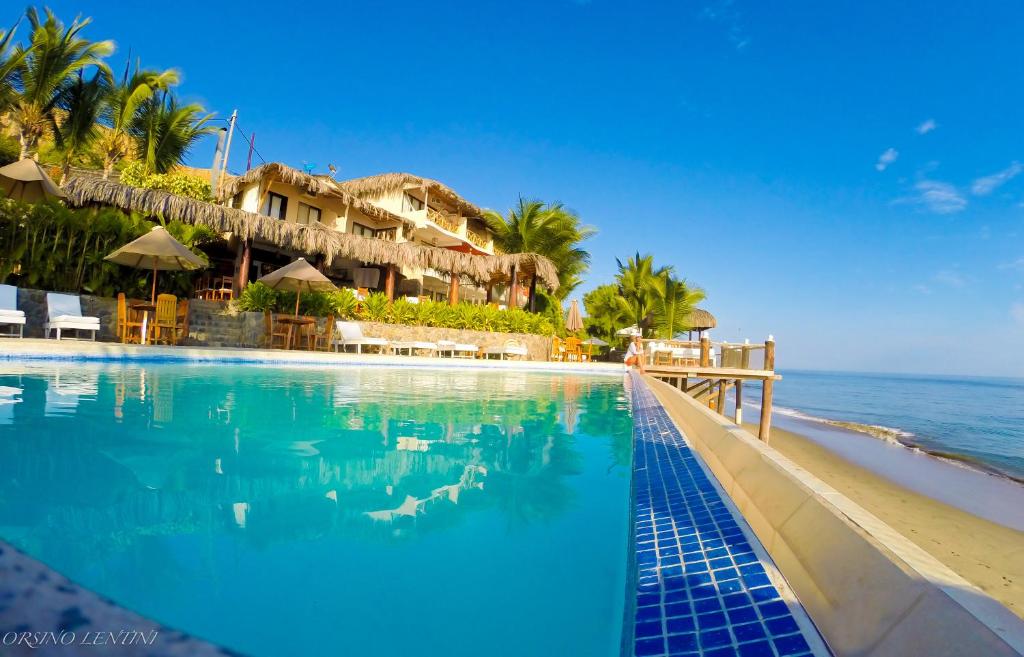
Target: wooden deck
{"type": "Point", "coordinates": [709, 384]}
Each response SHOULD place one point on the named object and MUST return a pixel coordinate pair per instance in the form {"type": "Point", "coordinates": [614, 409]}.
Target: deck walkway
{"type": "Point", "coordinates": [704, 584]}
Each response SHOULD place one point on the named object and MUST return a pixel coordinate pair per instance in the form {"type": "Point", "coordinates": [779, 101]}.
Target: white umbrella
{"type": "Point", "coordinates": [26, 181]}
{"type": "Point", "coordinates": [298, 277]}
{"type": "Point", "coordinates": [629, 331]}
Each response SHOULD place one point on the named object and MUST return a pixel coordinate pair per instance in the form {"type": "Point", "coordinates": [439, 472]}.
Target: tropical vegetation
{"type": "Point", "coordinates": [51, 247]}
{"type": "Point", "coordinates": [60, 102]}
{"type": "Point", "coordinates": [650, 297]}
{"type": "Point", "coordinates": [342, 304]}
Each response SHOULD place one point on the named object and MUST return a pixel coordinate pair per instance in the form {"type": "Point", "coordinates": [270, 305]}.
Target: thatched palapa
{"type": "Point", "coordinates": [315, 185]}
{"type": "Point", "coordinates": [312, 239]}
{"type": "Point", "coordinates": [700, 320]}
{"type": "Point", "coordinates": [386, 183]}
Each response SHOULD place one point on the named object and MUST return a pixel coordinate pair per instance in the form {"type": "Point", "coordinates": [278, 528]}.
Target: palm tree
{"type": "Point", "coordinates": [550, 230]}
{"type": "Point", "coordinates": [122, 108]}
{"type": "Point", "coordinates": [81, 107]}
{"type": "Point", "coordinates": [10, 63]}
{"type": "Point", "coordinates": [607, 312]}
{"type": "Point", "coordinates": [55, 54]}
{"type": "Point", "coordinates": [675, 300]}
{"type": "Point", "coordinates": [165, 130]}
{"type": "Point", "coordinates": [638, 281]}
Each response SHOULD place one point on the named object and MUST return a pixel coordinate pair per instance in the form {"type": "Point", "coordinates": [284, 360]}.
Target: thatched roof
{"type": "Point", "coordinates": [310, 239]}
{"type": "Point", "coordinates": [385, 183]}
{"type": "Point", "coordinates": [315, 185]}
{"type": "Point", "coordinates": [700, 320]}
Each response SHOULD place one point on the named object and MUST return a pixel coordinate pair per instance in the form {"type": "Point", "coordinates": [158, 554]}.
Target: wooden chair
{"type": "Point", "coordinates": [322, 341]}
{"type": "Point", "coordinates": [557, 350]}
{"type": "Point", "coordinates": [181, 325]}
{"type": "Point", "coordinates": [224, 291]}
{"type": "Point", "coordinates": [573, 349]}
{"type": "Point", "coordinates": [129, 329]}
{"type": "Point", "coordinates": [165, 325]}
{"type": "Point", "coordinates": [274, 332]}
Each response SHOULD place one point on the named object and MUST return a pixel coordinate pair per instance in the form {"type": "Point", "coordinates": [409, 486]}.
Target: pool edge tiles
{"type": "Point", "coordinates": [702, 583]}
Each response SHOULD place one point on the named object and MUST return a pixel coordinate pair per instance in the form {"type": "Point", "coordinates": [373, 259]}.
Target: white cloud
{"type": "Point", "coordinates": [936, 196]}
{"type": "Point", "coordinates": [1017, 264]}
{"type": "Point", "coordinates": [987, 184]}
{"type": "Point", "coordinates": [922, 289]}
{"type": "Point", "coordinates": [886, 158]}
{"type": "Point", "coordinates": [1017, 312]}
{"type": "Point", "coordinates": [926, 126]}
{"type": "Point", "coordinates": [950, 278]}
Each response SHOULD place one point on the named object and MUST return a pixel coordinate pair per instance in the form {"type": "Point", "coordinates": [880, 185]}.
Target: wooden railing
{"type": "Point", "coordinates": [477, 238]}
{"type": "Point", "coordinates": [443, 220]}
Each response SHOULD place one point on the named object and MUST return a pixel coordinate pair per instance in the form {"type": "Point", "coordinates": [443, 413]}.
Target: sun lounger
{"type": "Point", "coordinates": [9, 313]}
{"type": "Point", "coordinates": [511, 349]}
{"type": "Point", "coordinates": [414, 347]}
{"type": "Point", "coordinates": [351, 334]}
{"type": "Point", "coordinates": [456, 349]}
{"type": "Point", "coordinates": [65, 312]}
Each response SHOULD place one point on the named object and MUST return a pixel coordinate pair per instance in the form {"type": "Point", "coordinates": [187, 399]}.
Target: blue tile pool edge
{"type": "Point", "coordinates": [688, 598]}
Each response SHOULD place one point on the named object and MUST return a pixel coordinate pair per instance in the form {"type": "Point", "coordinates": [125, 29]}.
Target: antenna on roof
{"type": "Point", "coordinates": [308, 166]}
{"type": "Point", "coordinates": [333, 169]}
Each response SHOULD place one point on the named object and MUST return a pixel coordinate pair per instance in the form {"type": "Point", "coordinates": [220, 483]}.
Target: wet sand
{"type": "Point", "coordinates": [987, 554]}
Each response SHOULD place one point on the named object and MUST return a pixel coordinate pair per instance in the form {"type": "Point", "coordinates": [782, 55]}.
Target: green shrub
{"type": "Point", "coordinates": [344, 303]}
{"type": "Point", "coordinates": [375, 308]}
{"type": "Point", "coordinates": [402, 312]}
{"type": "Point", "coordinates": [257, 297]}
{"type": "Point", "coordinates": [182, 184]}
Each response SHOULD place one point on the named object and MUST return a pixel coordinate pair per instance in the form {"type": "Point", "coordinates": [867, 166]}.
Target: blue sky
{"type": "Point", "coordinates": [843, 175]}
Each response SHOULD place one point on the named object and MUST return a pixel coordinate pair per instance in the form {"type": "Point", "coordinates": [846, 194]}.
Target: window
{"type": "Point", "coordinates": [410, 203]}
{"type": "Point", "coordinates": [308, 214]}
{"type": "Point", "coordinates": [361, 230]}
{"type": "Point", "coordinates": [276, 206]}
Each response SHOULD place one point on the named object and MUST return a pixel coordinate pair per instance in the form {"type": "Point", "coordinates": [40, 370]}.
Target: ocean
{"type": "Point", "coordinates": [978, 421]}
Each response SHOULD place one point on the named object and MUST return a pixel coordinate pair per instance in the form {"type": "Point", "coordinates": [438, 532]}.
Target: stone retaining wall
{"type": "Point", "coordinates": [216, 324]}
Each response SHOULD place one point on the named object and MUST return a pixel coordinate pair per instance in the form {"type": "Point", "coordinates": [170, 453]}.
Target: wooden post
{"type": "Point", "coordinates": [453, 290]}
{"type": "Point", "coordinates": [705, 351]}
{"type": "Point", "coordinates": [768, 388]}
{"type": "Point", "coordinates": [720, 405]}
{"type": "Point", "coordinates": [243, 261]}
{"type": "Point", "coordinates": [389, 283]}
{"type": "Point", "coordinates": [738, 417]}
{"type": "Point", "coordinates": [490, 292]}
{"type": "Point", "coordinates": [533, 293]}
{"type": "Point", "coordinates": [513, 290]}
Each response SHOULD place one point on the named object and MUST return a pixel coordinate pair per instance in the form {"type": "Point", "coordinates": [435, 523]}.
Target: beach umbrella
{"type": "Point", "coordinates": [573, 321]}
{"type": "Point", "coordinates": [595, 342]}
{"type": "Point", "coordinates": [158, 251]}
{"type": "Point", "coordinates": [25, 180]}
{"type": "Point", "coordinates": [629, 331]}
{"type": "Point", "coordinates": [298, 277]}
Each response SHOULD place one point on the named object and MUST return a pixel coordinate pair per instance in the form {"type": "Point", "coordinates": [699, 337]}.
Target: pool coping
{"type": "Point", "coordinates": [36, 349]}
{"type": "Point", "coordinates": [649, 579]}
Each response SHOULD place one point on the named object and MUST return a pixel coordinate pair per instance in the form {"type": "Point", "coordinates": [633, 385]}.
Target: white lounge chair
{"type": "Point", "coordinates": [456, 349]}
{"type": "Point", "coordinates": [414, 346]}
{"type": "Point", "coordinates": [9, 313]}
{"type": "Point", "coordinates": [511, 349]}
{"type": "Point", "coordinates": [351, 334]}
{"type": "Point", "coordinates": [65, 312]}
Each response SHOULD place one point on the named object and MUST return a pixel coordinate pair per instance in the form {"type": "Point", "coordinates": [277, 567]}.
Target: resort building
{"type": "Point", "coordinates": [394, 207]}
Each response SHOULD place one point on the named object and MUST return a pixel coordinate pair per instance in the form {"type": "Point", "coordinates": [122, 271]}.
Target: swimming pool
{"type": "Point", "coordinates": [299, 511]}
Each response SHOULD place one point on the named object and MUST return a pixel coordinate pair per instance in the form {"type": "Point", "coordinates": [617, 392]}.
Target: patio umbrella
{"type": "Point", "coordinates": [573, 321]}
{"type": "Point", "coordinates": [25, 180]}
{"type": "Point", "coordinates": [595, 342]}
{"type": "Point", "coordinates": [158, 251]}
{"type": "Point", "coordinates": [298, 277]}
{"type": "Point", "coordinates": [629, 331]}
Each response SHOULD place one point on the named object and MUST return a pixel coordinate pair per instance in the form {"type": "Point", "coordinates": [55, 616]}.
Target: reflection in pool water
{"type": "Point", "coordinates": [329, 511]}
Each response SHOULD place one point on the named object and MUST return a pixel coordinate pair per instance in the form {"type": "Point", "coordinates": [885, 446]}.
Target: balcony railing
{"type": "Point", "coordinates": [443, 220]}
{"type": "Point", "coordinates": [479, 239]}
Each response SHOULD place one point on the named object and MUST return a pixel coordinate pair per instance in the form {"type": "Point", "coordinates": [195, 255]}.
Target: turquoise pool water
{"type": "Point", "coordinates": [331, 511]}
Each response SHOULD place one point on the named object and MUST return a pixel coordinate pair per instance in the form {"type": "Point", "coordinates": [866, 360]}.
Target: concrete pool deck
{"type": "Point", "coordinates": [88, 351]}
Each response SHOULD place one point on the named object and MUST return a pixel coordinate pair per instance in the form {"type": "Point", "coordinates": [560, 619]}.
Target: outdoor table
{"type": "Point", "coordinates": [145, 308]}
{"type": "Point", "coordinates": [293, 322]}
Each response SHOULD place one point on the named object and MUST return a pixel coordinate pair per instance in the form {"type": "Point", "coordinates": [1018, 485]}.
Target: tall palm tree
{"type": "Point", "coordinates": [54, 55]}
{"type": "Point", "coordinates": [122, 108]}
{"type": "Point", "coordinates": [165, 130]}
{"type": "Point", "coordinates": [78, 126]}
{"type": "Point", "coordinates": [639, 282]}
{"type": "Point", "coordinates": [548, 229]}
{"type": "Point", "coordinates": [675, 300]}
{"type": "Point", "coordinates": [11, 59]}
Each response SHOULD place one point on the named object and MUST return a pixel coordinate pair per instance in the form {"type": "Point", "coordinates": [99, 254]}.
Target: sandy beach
{"type": "Point", "coordinates": [989, 555]}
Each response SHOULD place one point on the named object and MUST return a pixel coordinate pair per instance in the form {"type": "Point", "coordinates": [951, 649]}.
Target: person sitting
{"type": "Point", "coordinates": [635, 354]}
